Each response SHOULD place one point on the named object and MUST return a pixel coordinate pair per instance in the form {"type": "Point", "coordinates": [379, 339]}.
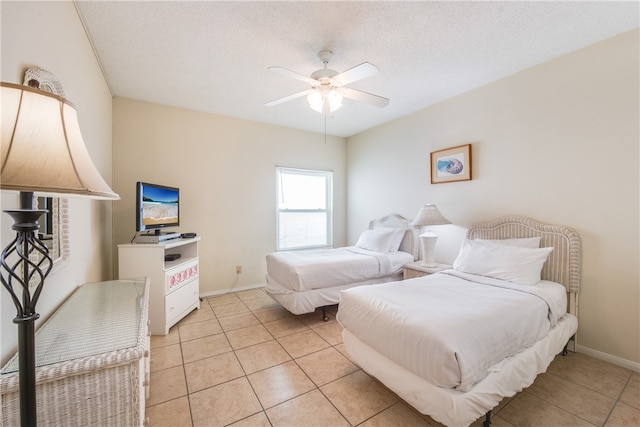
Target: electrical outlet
{"type": "Point", "coordinates": [238, 269]}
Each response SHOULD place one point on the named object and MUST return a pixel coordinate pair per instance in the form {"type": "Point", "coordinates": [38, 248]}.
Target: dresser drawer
{"type": "Point", "coordinates": [181, 275]}
{"type": "Point", "coordinates": [181, 300]}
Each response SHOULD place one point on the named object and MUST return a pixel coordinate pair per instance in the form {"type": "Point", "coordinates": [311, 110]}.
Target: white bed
{"type": "Point", "coordinates": [302, 281]}
{"type": "Point", "coordinates": [453, 344]}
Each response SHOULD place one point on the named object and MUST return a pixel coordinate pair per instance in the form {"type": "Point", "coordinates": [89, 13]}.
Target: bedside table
{"type": "Point", "coordinates": [416, 269]}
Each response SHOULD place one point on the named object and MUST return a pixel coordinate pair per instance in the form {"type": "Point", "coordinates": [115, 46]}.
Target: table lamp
{"type": "Point", "coordinates": [42, 151]}
{"type": "Point", "coordinates": [429, 215]}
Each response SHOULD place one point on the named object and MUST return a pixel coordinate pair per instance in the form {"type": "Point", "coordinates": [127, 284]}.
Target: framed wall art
{"type": "Point", "coordinates": [451, 164]}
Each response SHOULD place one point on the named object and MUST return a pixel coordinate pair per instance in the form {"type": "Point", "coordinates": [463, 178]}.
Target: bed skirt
{"type": "Point", "coordinates": [453, 407]}
{"type": "Point", "coordinates": [307, 301]}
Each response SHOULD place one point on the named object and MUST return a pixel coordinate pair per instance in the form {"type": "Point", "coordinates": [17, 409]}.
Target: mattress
{"type": "Point", "coordinates": [315, 269]}
{"type": "Point", "coordinates": [450, 328]}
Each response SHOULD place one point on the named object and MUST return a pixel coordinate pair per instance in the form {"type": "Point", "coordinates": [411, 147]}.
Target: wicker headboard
{"type": "Point", "coordinates": [563, 264]}
{"type": "Point", "coordinates": [410, 242]}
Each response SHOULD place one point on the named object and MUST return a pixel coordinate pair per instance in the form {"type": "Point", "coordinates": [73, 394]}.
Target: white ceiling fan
{"type": "Point", "coordinates": [328, 86]}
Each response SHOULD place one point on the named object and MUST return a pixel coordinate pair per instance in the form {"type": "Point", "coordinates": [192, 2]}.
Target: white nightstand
{"type": "Point", "coordinates": [416, 269]}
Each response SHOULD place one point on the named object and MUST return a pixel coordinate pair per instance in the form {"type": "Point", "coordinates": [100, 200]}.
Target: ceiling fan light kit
{"type": "Point", "coordinates": [325, 97]}
{"type": "Point", "coordinates": [327, 86]}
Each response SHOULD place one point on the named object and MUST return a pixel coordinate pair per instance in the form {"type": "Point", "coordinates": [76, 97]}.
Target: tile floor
{"type": "Point", "coordinates": [242, 360]}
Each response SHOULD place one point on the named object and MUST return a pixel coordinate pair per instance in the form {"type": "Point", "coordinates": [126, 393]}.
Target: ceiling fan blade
{"type": "Point", "coordinates": [367, 98]}
{"type": "Point", "coordinates": [359, 72]}
{"type": "Point", "coordinates": [287, 98]}
{"type": "Point", "coordinates": [295, 75]}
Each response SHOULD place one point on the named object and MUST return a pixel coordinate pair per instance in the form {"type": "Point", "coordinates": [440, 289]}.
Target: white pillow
{"type": "Point", "coordinates": [511, 263]}
{"type": "Point", "coordinates": [397, 234]}
{"type": "Point", "coordinates": [378, 240]}
{"type": "Point", "coordinates": [524, 242]}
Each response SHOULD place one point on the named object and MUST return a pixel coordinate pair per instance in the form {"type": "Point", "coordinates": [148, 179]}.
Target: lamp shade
{"type": "Point", "coordinates": [42, 149]}
{"type": "Point", "coordinates": [429, 215]}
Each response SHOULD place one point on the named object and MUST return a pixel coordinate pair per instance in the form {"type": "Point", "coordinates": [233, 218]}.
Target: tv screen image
{"type": "Point", "coordinates": [158, 206]}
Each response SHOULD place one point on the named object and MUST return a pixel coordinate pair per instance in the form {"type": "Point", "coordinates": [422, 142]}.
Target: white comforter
{"type": "Point", "coordinates": [450, 328]}
{"type": "Point", "coordinates": [315, 269]}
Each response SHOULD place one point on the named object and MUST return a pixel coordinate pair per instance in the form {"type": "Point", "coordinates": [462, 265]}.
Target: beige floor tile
{"type": "Point", "coordinates": [238, 321]}
{"type": "Point", "coordinates": [173, 337]}
{"type": "Point", "coordinates": [245, 337]}
{"type": "Point", "coordinates": [165, 357]}
{"type": "Point", "coordinates": [257, 420]}
{"type": "Point", "coordinates": [528, 410]}
{"type": "Point", "coordinates": [230, 309]}
{"type": "Point", "coordinates": [358, 397]}
{"type": "Point", "coordinates": [166, 385]}
{"type": "Point", "coordinates": [310, 410]}
{"type": "Point", "coordinates": [272, 313]}
{"type": "Point", "coordinates": [326, 365]}
{"type": "Point", "coordinates": [191, 331]}
{"type": "Point", "coordinates": [279, 383]}
{"type": "Point", "coordinates": [252, 294]}
{"type": "Point", "coordinates": [575, 399]}
{"type": "Point", "coordinates": [262, 356]}
{"type": "Point", "coordinates": [624, 415]}
{"type": "Point", "coordinates": [287, 326]}
{"type": "Point", "coordinates": [312, 320]}
{"type": "Point", "coordinates": [202, 348]}
{"type": "Point", "coordinates": [222, 299]}
{"type": "Point", "coordinates": [631, 393]}
{"type": "Point", "coordinates": [341, 348]}
{"type": "Point", "coordinates": [261, 303]}
{"type": "Point", "coordinates": [224, 404]}
{"type": "Point", "coordinates": [212, 371]}
{"type": "Point", "coordinates": [584, 370]}
{"type": "Point", "coordinates": [174, 413]}
{"type": "Point", "coordinates": [199, 315]}
{"type": "Point", "coordinates": [303, 343]}
{"type": "Point", "coordinates": [398, 415]}
{"type": "Point", "coordinates": [331, 331]}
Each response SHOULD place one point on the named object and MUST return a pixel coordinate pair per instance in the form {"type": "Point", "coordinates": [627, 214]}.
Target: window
{"type": "Point", "coordinates": [303, 219]}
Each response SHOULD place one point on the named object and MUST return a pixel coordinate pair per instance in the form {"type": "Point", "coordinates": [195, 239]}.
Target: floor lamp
{"type": "Point", "coordinates": [429, 215]}
{"type": "Point", "coordinates": [42, 152]}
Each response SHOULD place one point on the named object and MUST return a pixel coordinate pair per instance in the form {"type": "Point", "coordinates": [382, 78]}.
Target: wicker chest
{"type": "Point", "coordinates": [92, 359]}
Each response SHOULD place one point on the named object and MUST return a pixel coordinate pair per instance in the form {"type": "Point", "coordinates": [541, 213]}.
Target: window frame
{"type": "Point", "coordinates": [328, 176]}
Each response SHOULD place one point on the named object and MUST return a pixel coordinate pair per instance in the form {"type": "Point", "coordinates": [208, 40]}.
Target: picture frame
{"type": "Point", "coordinates": [451, 164]}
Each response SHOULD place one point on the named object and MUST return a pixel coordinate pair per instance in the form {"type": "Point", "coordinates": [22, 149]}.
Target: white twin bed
{"type": "Point", "coordinates": [453, 344]}
{"type": "Point", "coordinates": [302, 281]}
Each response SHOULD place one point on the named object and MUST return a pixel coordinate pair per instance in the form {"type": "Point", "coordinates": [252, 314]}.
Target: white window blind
{"type": "Point", "coordinates": [303, 208]}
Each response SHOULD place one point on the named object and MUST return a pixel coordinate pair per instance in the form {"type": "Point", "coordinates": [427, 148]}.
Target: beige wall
{"type": "Point", "coordinates": [558, 143]}
{"type": "Point", "coordinates": [225, 169]}
{"type": "Point", "coordinates": [50, 35]}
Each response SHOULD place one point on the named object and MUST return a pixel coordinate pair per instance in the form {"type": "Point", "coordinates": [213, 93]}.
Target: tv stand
{"type": "Point", "coordinates": [174, 281]}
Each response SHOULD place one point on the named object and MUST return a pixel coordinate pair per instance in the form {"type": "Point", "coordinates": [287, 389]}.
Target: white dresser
{"type": "Point", "coordinates": [92, 360]}
{"type": "Point", "coordinates": [174, 288]}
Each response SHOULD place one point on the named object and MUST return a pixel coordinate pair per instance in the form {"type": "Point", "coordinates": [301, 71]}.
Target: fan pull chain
{"type": "Point", "coordinates": [325, 127]}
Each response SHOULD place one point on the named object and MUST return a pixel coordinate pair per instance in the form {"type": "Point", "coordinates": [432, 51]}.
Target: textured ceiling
{"type": "Point", "coordinates": [214, 56]}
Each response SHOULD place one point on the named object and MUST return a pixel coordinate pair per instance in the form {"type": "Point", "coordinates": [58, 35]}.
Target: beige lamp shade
{"type": "Point", "coordinates": [42, 148]}
{"type": "Point", "coordinates": [429, 215]}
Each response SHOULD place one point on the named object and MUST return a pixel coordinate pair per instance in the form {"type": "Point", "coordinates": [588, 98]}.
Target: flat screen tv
{"type": "Point", "coordinates": [157, 206]}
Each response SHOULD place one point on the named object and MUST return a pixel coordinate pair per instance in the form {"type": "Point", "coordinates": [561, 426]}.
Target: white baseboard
{"type": "Point", "coordinates": [615, 360]}
{"type": "Point", "coordinates": [233, 289]}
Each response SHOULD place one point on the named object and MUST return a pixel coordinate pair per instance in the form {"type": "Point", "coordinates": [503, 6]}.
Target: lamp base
{"type": "Point", "coordinates": [17, 272]}
{"type": "Point", "coordinates": [428, 243]}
